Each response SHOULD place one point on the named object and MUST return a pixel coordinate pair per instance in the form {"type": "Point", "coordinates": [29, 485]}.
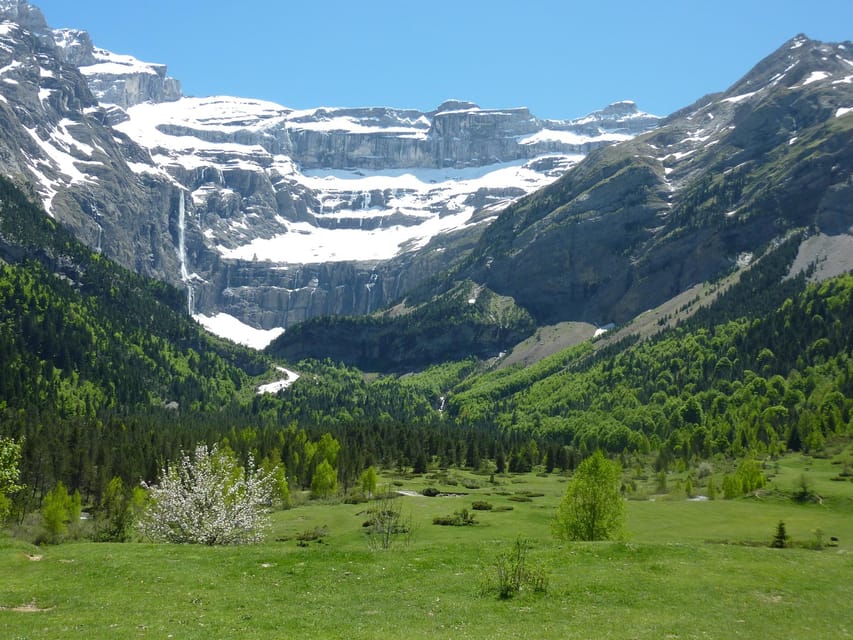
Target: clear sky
{"type": "Point", "coordinates": [560, 58]}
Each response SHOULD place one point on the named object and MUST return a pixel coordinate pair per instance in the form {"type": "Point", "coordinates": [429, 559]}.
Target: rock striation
{"type": "Point", "coordinates": [271, 214]}
{"type": "Point", "coordinates": [634, 224]}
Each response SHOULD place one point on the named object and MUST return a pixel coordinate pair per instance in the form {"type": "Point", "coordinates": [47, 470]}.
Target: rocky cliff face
{"type": "Point", "coordinates": [270, 214]}
{"type": "Point", "coordinates": [636, 223]}
{"type": "Point", "coordinates": [56, 141]}
{"type": "Point", "coordinates": [115, 79]}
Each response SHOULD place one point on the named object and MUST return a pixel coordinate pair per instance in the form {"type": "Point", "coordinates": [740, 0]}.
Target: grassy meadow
{"type": "Point", "coordinates": [685, 569]}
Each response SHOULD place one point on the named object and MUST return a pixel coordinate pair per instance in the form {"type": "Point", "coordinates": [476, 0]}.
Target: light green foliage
{"type": "Point", "coordinates": [367, 481]}
{"type": "Point", "coordinates": [592, 507]}
{"type": "Point", "coordinates": [118, 511]}
{"type": "Point", "coordinates": [732, 487]}
{"type": "Point", "coordinates": [750, 474]}
{"type": "Point", "coordinates": [59, 510]}
{"type": "Point", "coordinates": [10, 460]}
{"type": "Point", "coordinates": [281, 489]}
{"type": "Point", "coordinates": [747, 478]}
{"type": "Point", "coordinates": [324, 482]}
{"type": "Point", "coordinates": [328, 448]}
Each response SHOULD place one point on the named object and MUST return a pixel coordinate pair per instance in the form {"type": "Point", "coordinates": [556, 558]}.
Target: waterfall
{"type": "Point", "coordinates": [96, 215]}
{"type": "Point", "coordinates": [369, 287]}
{"type": "Point", "coordinates": [182, 251]}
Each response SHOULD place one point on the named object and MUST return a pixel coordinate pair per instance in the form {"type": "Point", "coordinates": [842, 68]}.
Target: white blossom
{"type": "Point", "coordinates": [209, 499]}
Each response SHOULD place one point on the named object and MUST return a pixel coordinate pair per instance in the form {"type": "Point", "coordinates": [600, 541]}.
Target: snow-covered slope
{"type": "Point", "coordinates": [244, 163]}
{"type": "Point", "coordinates": [266, 213]}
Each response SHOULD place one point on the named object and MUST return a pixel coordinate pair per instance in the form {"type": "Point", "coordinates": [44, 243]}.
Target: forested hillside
{"type": "Point", "coordinates": [467, 320]}
{"type": "Point", "coordinates": [767, 368]}
{"type": "Point", "coordinates": [104, 376]}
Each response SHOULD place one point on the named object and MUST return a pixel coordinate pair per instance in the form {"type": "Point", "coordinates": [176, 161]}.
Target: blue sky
{"type": "Point", "coordinates": [562, 59]}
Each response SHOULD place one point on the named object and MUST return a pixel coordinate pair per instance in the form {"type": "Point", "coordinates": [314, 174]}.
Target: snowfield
{"type": "Point", "coordinates": [229, 327]}
{"type": "Point", "coordinates": [220, 134]}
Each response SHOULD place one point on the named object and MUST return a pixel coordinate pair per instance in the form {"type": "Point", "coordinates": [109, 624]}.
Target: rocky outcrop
{"type": "Point", "coordinates": [269, 296]}
{"type": "Point", "coordinates": [112, 78]}
{"type": "Point", "coordinates": [456, 134]}
{"type": "Point", "coordinates": [637, 223]}
{"type": "Point", "coordinates": [22, 13]}
{"type": "Point", "coordinates": [124, 82]}
{"type": "Point", "coordinates": [190, 189]}
{"type": "Point", "coordinates": [57, 143]}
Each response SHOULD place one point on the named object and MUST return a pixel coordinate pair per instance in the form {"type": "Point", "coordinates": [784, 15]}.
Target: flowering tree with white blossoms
{"type": "Point", "coordinates": [209, 498]}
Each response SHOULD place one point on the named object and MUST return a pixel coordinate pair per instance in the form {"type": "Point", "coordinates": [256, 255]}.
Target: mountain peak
{"type": "Point", "coordinates": [455, 105]}
{"type": "Point", "coordinates": [799, 60]}
{"type": "Point", "coordinates": [23, 13]}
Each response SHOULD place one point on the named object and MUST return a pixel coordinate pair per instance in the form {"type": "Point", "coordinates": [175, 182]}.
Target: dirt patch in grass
{"type": "Point", "coordinates": [32, 607]}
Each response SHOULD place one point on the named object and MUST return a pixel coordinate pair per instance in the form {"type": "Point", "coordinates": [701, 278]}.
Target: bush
{"type": "Point", "coordinates": [10, 462]}
{"type": "Point", "coordinates": [512, 573]}
{"type": "Point", "coordinates": [386, 524]}
{"type": "Point", "coordinates": [481, 505]}
{"type": "Point", "coordinates": [313, 535]}
{"type": "Point", "coordinates": [430, 492]}
{"type": "Point", "coordinates": [209, 499]}
{"type": "Point", "coordinates": [704, 469]}
{"type": "Point", "coordinates": [462, 518]}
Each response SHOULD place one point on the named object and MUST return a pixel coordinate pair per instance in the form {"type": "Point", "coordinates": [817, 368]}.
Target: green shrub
{"type": "Point", "coordinates": [481, 505]}
{"type": "Point", "coordinates": [781, 538]}
{"type": "Point", "coordinates": [461, 518]}
{"type": "Point", "coordinates": [312, 535]}
{"type": "Point", "coordinates": [512, 573]}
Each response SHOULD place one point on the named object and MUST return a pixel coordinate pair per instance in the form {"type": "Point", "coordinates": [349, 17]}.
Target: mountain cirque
{"type": "Point", "coordinates": [273, 215]}
{"type": "Point", "coordinates": [287, 214]}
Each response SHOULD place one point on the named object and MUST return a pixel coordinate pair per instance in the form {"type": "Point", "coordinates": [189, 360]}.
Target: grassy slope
{"type": "Point", "coordinates": [671, 578]}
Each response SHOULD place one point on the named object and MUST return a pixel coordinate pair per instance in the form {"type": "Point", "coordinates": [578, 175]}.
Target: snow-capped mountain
{"type": "Point", "coordinates": [268, 213]}
{"type": "Point", "coordinates": [56, 143]}
{"type": "Point", "coordinates": [332, 185]}
{"type": "Point", "coordinates": [636, 223]}
{"type": "Point", "coordinates": [632, 226]}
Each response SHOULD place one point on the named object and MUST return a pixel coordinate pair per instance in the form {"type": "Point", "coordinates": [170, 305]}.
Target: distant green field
{"type": "Point", "coordinates": [687, 569]}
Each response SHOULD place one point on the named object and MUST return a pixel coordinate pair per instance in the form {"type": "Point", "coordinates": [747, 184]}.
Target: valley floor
{"type": "Point", "coordinates": [687, 569]}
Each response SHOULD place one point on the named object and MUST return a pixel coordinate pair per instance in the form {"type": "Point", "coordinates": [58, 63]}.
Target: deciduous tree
{"type": "Point", "coordinates": [324, 482]}
{"type": "Point", "coordinates": [209, 498]}
{"type": "Point", "coordinates": [10, 460]}
{"type": "Point", "coordinates": [592, 508]}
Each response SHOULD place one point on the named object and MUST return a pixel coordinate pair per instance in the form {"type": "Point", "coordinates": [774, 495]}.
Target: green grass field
{"type": "Point", "coordinates": [686, 569]}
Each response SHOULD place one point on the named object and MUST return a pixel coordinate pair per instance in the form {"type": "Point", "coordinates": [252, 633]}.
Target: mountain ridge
{"type": "Point", "coordinates": [634, 224]}
{"type": "Point", "coordinates": [274, 215]}
{"type": "Point", "coordinates": [302, 192]}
